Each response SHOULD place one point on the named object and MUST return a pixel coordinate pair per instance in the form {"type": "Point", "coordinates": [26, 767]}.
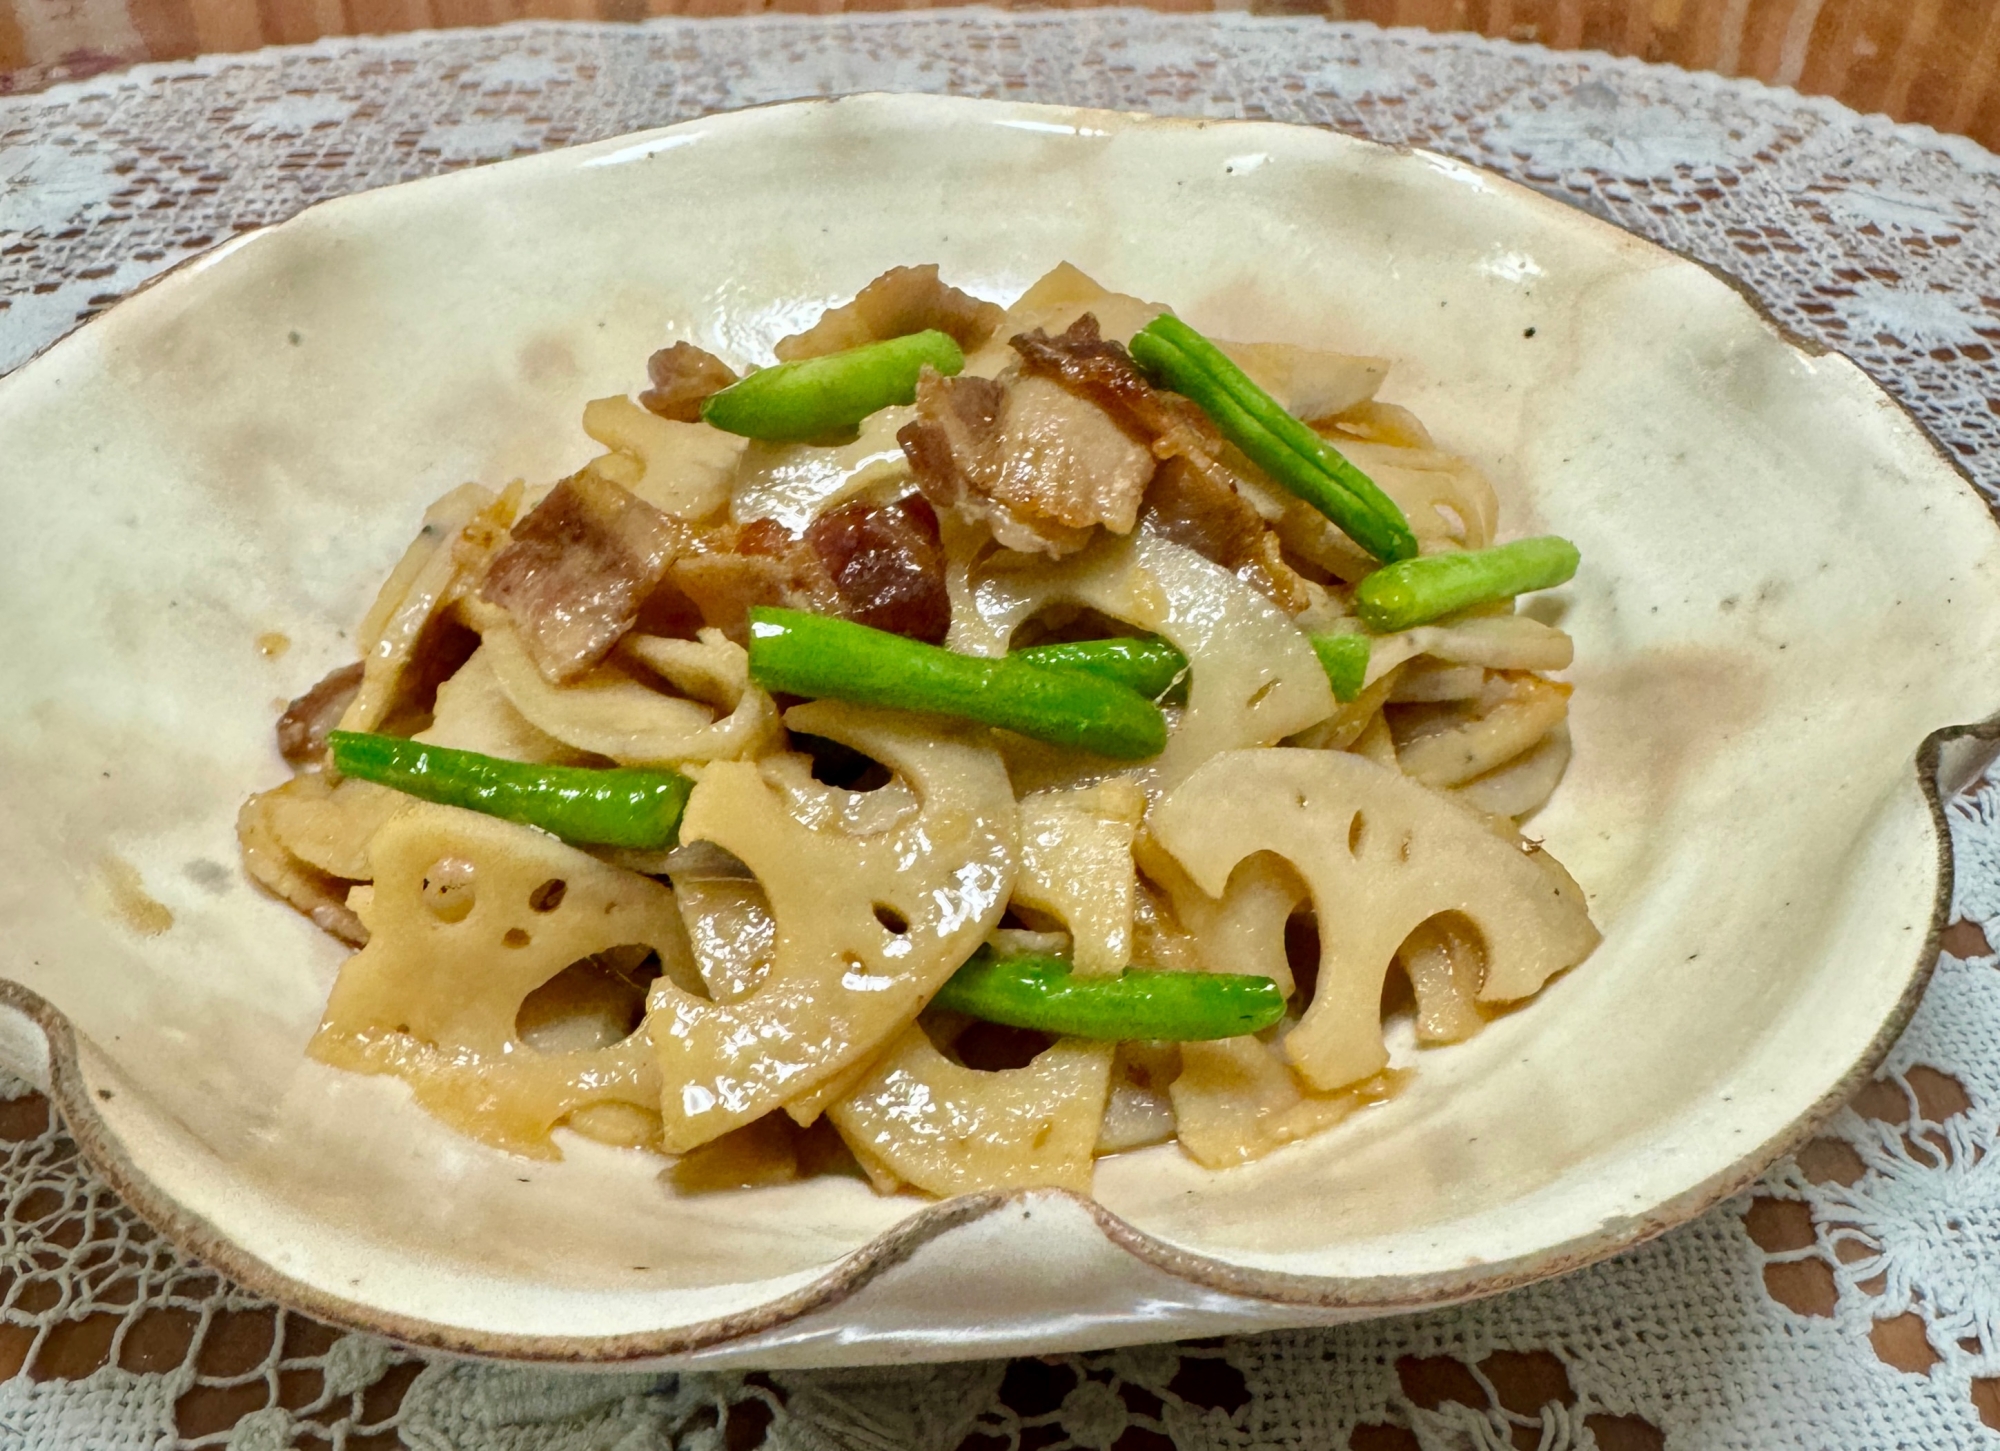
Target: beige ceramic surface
{"type": "Point", "coordinates": [1784, 593]}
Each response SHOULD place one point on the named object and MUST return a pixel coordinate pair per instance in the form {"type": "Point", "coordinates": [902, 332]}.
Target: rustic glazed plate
{"type": "Point", "coordinates": [1787, 599]}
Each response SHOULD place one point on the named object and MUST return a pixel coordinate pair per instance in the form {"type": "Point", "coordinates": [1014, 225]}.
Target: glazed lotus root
{"type": "Point", "coordinates": [919, 1118]}
{"type": "Point", "coordinates": [1253, 677]}
{"type": "Point", "coordinates": [1380, 855]}
{"type": "Point", "coordinates": [1235, 1100]}
{"type": "Point", "coordinates": [1061, 835]}
{"type": "Point", "coordinates": [468, 917]}
{"type": "Point", "coordinates": [868, 926]}
{"type": "Point", "coordinates": [609, 710]}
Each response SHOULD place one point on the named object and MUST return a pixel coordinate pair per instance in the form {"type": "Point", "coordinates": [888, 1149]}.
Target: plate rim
{"type": "Point", "coordinates": [1314, 1296]}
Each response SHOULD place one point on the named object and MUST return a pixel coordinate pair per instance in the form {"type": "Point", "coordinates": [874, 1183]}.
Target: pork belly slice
{"type": "Point", "coordinates": [888, 565]}
{"type": "Point", "coordinates": [576, 570]}
{"type": "Point", "coordinates": [302, 729]}
{"type": "Point", "coordinates": [1192, 508]}
{"type": "Point", "coordinates": [1102, 372]}
{"type": "Point", "coordinates": [879, 564]}
{"type": "Point", "coordinates": [760, 563]}
{"type": "Point", "coordinates": [1028, 458]}
{"type": "Point", "coordinates": [683, 378]}
{"type": "Point", "coordinates": [1193, 499]}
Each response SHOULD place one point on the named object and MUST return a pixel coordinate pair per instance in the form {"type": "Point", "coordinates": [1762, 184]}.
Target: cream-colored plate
{"type": "Point", "coordinates": [1785, 593]}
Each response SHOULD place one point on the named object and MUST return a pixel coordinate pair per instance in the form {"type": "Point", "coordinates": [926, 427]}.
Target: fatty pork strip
{"type": "Point", "coordinates": [1075, 438]}
{"type": "Point", "coordinates": [576, 570]}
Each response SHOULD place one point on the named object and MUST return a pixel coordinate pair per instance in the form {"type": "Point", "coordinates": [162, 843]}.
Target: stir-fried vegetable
{"type": "Point", "coordinates": [1345, 659]}
{"type": "Point", "coordinates": [1042, 993]}
{"type": "Point", "coordinates": [1178, 357]}
{"type": "Point", "coordinates": [805, 654]}
{"type": "Point", "coordinates": [1409, 593]}
{"type": "Point", "coordinates": [822, 397]}
{"type": "Point", "coordinates": [1148, 665]}
{"type": "Point", "coordinates": [625, 806]}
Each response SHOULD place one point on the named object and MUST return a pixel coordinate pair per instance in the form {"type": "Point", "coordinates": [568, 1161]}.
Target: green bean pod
{"type": "Point", "coordinates": [1042, 993]}
{"type": "Point", "coordinates": [1174, 354]}
{"type": "Point", "coordinates": [814, 655]}
{"type": "Point", "coordinates": [825, 396]}
{"type": "Point", "coordinates": [1148, 665]}
{"type": "Point", "coordinates": [1345, 660]}
{"type": "Point", "coordinates": [624, 806]}
{"type": "Point", "coordinates": [1413, 591]}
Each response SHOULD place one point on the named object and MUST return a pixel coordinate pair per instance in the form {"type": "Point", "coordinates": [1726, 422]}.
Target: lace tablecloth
{"type": "Point", "coordinates": [1852, 1300]}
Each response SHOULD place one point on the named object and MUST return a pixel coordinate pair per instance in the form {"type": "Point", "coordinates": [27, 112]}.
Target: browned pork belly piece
{"type": "Point", "coordinates": [888, 565]}
{"type": "Point", "coordinates": [1094, 368]}
{"type": "Point", "coordinates": [576, 570]}
{"type": "Point", "coordinates": [1189, 506]}
{"type": "Point", "coordinates": [302, 728]}
{"type": "Point", "coordinates": [1193, 499]}
{"type": "Point", "coordinates": [901, 301]}
{"type": "Point", "coordinates": [683, 378]}
{"type": "Point", "coordinates": [1196, 509]}
{"type": "Point", "coordinates": [761, 563]}
{"type": "Point", "coordinates": [880, 564]}
{"type": "Point", "coordinates": [1036, 464]}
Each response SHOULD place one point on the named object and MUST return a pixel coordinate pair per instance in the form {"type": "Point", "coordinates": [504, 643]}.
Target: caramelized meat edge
{"type": "Point", "coordinates": [683, 377]}
{"type": "Point", "coordinates": [1038, 465]}
{"type": "Point", "coordinates": [879, 564]}
{"type": "Point", "coordinates": [1192, 498]}
{"type": "Point", "coordinates": [303, 728]}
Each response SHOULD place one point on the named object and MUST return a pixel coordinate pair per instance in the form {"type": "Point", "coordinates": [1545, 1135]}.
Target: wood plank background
{"type": "Point", "coordinates": [1933, 61]}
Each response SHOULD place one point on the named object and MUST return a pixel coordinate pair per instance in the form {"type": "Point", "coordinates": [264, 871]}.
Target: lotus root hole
{"type": "Point", "coordinates": [515, 937]}
{"type": "Point", "coordinates": [1357, 832]}
{"type": "Point", "coordinates": [995, 1047]}
{"type": "Point", "coordinates": [448, 889]}
{"type": "Point", "coordinates": [893, 922]}
{"type": "Point", "coordinates": [549, 895]}
{"type": "Point", "coordinates": [595, 1002]}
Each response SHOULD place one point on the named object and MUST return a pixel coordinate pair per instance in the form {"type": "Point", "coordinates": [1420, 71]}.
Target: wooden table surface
{"type": "Point", "coordinates": [1930, 61]}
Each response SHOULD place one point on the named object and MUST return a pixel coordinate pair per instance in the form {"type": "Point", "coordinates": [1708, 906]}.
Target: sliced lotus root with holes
{"type": "Point", "coordinates": [1380, 855]}
{"type": "Point", "coordinates": [1243, 930]}
{"type": "Point", "coordinates": [949, 1129]}
{"type": "Point", "coordinates": [328, 826]}
{"type": "Point", "coordinates": [868, 925]}
{"type": "Point", "coordinates": [1235, 1100]}
{"type": "Point", "coordinates": [1253, 677]}
{"type": "Point", "coordinates": [1444, 962]}
{"type": "Point", "coordinates": [1076, 863]}
{"type": "Point", "coordinates": [291, 878]}
{"type": "Point", "coordinates": [501, 981]}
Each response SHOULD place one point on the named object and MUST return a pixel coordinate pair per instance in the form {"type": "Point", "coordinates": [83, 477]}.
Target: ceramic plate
{"type": "Point", "coordinates": [1787, 595]}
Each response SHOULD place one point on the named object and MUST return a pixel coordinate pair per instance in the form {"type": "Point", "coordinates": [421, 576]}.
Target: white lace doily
{"type": "Point", "coordinates": [1852, 1301]}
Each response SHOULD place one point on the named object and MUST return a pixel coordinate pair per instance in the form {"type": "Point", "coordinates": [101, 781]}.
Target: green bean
{"type": "Point", "coordinates": [1148, 665]}
{"type": "Point", "coordinates": [825, 396]}
{"type": "Point", "coordinates": [1174, 354]}
{"type": "Point", "coordinates": [1345, 659]}
{"type": "Point", "coordinates": [625, 806]}
{"type": "Point", "coordinates": [1408, 593]}
{"type": "Point", "coordinates": [1041, 993]}
{"type": "Point", "coordinates": [814, 655]}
